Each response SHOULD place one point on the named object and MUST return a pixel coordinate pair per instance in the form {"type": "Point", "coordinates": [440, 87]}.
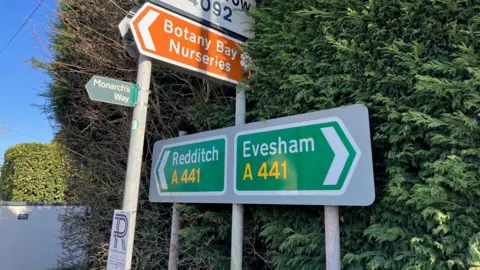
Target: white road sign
{"type": "Point", "coordinates": [228, 15]}
{"type": "Point", "coordinates": [117, 252]}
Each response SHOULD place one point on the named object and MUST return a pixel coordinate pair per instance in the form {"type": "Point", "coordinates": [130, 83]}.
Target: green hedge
{"type": "Point", "coordinates": [416, 66]}
{"type": "Point", "coordinates": [35, 172]}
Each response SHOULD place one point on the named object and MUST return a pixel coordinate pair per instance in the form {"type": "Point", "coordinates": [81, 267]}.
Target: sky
{"type": "Point", "coordinates": [20, 120]}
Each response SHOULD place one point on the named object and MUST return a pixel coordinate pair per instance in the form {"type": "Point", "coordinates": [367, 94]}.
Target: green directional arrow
{"type": "Point", "coordinates": [192, 167]}
{"type": "Point", "coordinates": [112, 91]}
{"type": "Point", "coordinates": [314, 157]}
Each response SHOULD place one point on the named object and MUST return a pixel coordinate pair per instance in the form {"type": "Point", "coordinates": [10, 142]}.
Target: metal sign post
{"type": "Point", "coordinates": [174, 238]}
{"type": "Point", "coordinates": [237, 209]}
{"type": "Point", "coordinates": [127, 94]}
{"type": "Point", "coordinates": [135, 151]}
{"type": "Point", "coordinates": [332, 238]}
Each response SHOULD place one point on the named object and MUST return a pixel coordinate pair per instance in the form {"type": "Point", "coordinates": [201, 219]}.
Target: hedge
{"type": "Point", "coordinates": [34, 172]}
{"type": "Point", "coordinates": [415, 65]}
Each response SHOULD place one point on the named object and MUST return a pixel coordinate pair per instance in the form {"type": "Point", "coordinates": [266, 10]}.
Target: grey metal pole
{"type": "Point", "coordinates": [237, 209]}
{"type": "Point", "coordinates": [135, 151]}
{"type": "Point", "coordinates": [174, 238]}
{"type": "Point", "coordinates": [332, 237]}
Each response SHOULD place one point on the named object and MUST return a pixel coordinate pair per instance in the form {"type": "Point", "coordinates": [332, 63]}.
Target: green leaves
{"type": "Point", "coordinates": [35, 173]}
{"type": "Point", "coordinates": [415, 64]}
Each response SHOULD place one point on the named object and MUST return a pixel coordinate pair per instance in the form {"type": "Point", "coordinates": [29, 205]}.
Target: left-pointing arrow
{"type": "Point", "coordinates": [144, 26]}
{"type": "Point", "coordinates": [161, 170]}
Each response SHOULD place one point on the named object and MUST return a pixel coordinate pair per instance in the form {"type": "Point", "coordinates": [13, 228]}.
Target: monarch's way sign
{"type": "Point", "coordinates": [178, 41]}
{"type": "Point", "coordinates": [112, 91]}
{"type": "Point", "coordinates": [320, 158]}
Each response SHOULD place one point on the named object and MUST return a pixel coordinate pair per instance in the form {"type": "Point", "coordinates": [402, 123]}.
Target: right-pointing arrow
{"type": "Point", "coordinates": [161, 170]}
{"type": "Point", "coordinates": [144, 26]}
{"type": "Point", "coordinates": [341, 156]}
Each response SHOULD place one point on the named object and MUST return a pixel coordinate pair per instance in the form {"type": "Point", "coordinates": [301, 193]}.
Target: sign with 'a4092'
{"type": "Point", "coordinates": [320, 158]}
{"type": "Point", "coordinates": [228, 16]}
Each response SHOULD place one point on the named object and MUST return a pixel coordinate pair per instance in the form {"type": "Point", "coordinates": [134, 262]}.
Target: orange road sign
{"type": "Point", "coordinates": [163, 35]}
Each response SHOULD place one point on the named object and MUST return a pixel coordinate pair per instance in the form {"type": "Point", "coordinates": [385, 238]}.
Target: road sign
{"type": "Point", "coordinates": [117, 251]}
{"type": "Point", "coordinates": [193, 167]}
{"type": "Point", "coordinates": [307, 158]}
{"type": "Point", "coordinates": [127, 36]}
{"type": "Point", "coordinates": [228, 16]}
{"type": "Point", "coordinates": [112, 91]}
{"type": "Point", "coordinates": [319, 158]}
{"type": "Point", "coordinates": [180, 42]}
{"type": "Point", "coordinates": [124, 24]}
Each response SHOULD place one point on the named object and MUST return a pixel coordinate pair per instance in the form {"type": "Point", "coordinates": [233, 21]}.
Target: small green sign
{"type": "Point", "coordinates": [112, 91]}
{"type": "Point", "coordinates": [192, 167]}
{"type": "Point", "coordinates": [311, 158]}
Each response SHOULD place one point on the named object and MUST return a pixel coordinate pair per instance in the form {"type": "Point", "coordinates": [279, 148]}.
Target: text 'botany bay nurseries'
{"type": "Point", "coordinates": [179, 41]}
{"type": "Point", "coordinates": [204, 44]}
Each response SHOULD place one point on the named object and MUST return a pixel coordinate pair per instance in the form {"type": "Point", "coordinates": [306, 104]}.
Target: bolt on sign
{"type": "Point", "coordinates": [112, 91]}
{"type": "Point", "coordinates": [181, 42]}
{"type": "Point", "coordinates": [319, 158]}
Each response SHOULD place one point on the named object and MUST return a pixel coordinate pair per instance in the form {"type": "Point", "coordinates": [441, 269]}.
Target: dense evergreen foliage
{"type": "Point", "coordinates": [414, 63]}
{"type": "Point", "coordinates": [34, 172]}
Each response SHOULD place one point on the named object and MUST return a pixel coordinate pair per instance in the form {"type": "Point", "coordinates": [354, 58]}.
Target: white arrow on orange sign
{"type": "Point", "coordinates": [163, 35]}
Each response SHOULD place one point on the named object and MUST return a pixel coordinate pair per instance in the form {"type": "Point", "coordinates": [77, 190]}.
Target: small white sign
{"type": "Point", "coordinates": [227, 14]}
{"type": "Point", "coordinates": [124, 25]}
{"type": "Point", "coordinates": [117, 252]}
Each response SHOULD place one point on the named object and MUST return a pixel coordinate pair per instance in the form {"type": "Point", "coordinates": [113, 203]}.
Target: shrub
{"type": "Point", "coordinates": [34, 172]}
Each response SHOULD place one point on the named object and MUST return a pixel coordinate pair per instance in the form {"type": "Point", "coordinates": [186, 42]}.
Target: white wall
{"type": "Point", "coordinates": [31, 244]}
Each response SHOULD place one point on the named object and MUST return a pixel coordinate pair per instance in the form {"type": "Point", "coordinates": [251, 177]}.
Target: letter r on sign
{"type": "Point", "coordinates": [120, 232]}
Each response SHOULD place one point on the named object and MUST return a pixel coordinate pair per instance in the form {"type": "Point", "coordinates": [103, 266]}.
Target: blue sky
{"type": "Point", "coordinates": [20, 119]}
